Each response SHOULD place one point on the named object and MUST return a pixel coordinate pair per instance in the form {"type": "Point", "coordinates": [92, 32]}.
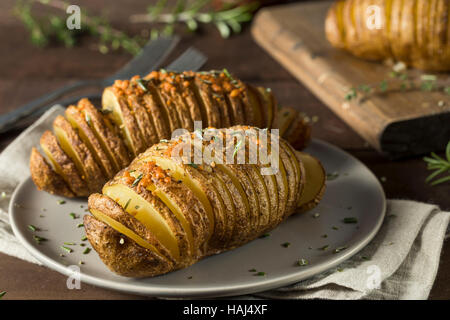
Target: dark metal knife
{"type": "Point", "coordinates": [151, 56]}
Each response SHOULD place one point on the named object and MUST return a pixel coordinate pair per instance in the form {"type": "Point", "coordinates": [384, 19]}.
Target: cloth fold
{"type": "Point", "coordinates": [401, 262]}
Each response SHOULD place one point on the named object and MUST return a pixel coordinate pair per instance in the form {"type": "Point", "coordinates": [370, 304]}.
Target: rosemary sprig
{"type": "Point", "coordinates": [439, 165]}
{"type": "Point", "coordinates": [53, 27]}
{"type": "Point", "coordinates": [399, 80]}
{"type": "Point", "coordinates": [191, 14]}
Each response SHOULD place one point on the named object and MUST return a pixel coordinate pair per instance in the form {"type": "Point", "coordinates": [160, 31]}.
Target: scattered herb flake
{"type": "Point", "coordinates": [80, 225]}
{"type": "Point", "coordinates": [350, 220]}
{"type": "Point", "coordinates": [84, 238]}
{"type": "Point", "coordinates": [334, 228]}
{"type": "Point", "coordinates": [136, 181]}
{"type": "Point", "coordinates": [81, 262]}
{"type": "Point", "coordinates": [252, 270]}
{"type": "Point", "coordinates": [324, 236]}
{"type": "Point", "coordinates": [39, 239]}
{"type": "Point", "coordinates": [265, 235]}
{"type": "Point", "coordinates": [126, 204]}
{"type": "Point", "coordinates": [73, 215]}
{"type": "Point", "coordinates": [69, 243]}
{"type": "Point", "coordinates": [141, 84]}
{"type": "Point", "coordinates": [286, 244]}
{"type": "Point", "coordinates": [33, 228]}
{"type": "Point", "coordinates": [68, 250]}
{"type": "Point", "coordinates": [190, 277]}
{"type": "Point", "coordinates": [316, 215]}
{"type": "Point", "coordinates": [2, 294]}
{"type": "Point", "coordinates": [302, 262]}
{"type": "Point", "coordinates": [324, 248]}
{"type": "Point", "coordinates": [61, 201]}
{"type": "Point", "coordinates": [260, 273]}
{"type": "Point", "coordinates": [339, 249]}
{"type": "Point", "coordinates": [332, 176]}
{"type": "Point", "coordinates": [87, 250]}
{"type": "Point", "coordinates": [365, 258]}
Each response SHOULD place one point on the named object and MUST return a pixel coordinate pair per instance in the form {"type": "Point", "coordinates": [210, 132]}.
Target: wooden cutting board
{"type": "Point", "coordinates": [395, 122]}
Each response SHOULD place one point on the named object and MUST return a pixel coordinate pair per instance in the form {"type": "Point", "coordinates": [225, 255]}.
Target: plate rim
{"type": "Point", "coordinates": [193, 292]}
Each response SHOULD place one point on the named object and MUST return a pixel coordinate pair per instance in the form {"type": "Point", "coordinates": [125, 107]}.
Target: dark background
{"type": "Point", "coordinates": [27, 72]}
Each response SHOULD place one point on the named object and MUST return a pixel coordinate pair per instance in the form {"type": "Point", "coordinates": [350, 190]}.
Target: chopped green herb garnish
{"type": "Point", "coordinates": [340, 269]}
{"type": "Point", "coordinates": [190, 277]}
{"type": "Point", "coordinates": [88, 118]}
{"type": "Point", "coordinates": [82, 244]}
{"type": "Point", "coordinates": [32, 228]}
{"type": "Point", "coordinates": [339, 249]}
{"type": "Point", "coordinates": [193, 165]}
{"type": "Point", "coordinates": [68, 250]}
{"type": "Point", "coordinates": [324, 236]}
{"type": "Point", "coordinates": [324, 248]}
{"type": "Point", "coordinates": [39, 239]}
{"type": "Point", "coordinates": [302, 262]}
{"type": "Point", "coordinates": [2, 294]}
{"type": "Point", "coordinates": [332, 176]}
{"type": "Point", "coordinates": [260, 273]}
{"type": "Point", "coordinates": [136, 181]}
{"type": "Point", "coordinates": [69, 243]}
{"type": "Point", "coordinates": [80, 225]}
{"type": "Point", "coordinates": [87, 250]}
{"type": "Point", "coordinates": [350, 220]}
{"type": "Point", "coordinates": [334, 228]}
{"type": "Point", "coordinates": [265, 235]}
{"type": "Point", "coordinates": [81, 262]}
{"type": "Point", "coordinates": [236, 148]}
{"type": "Point", "coordinates": [252, 270]}
{"type": "Point", "coordinates": [141, 84]}
{"type": "Point", "coordinates": [286, 244]}
{"type": "Point", "coordinates": [84, 238]}
{"type": "Point", "coordinates": [136, 207]}
{"type": "Point", "coordinates": [73, 215]}
{"type": "Point", "coordinates": [126, 204]}
{"type": "Point", "coordinates": [365, 258]}
{"type": "Point", "coordinates": [61, 201]}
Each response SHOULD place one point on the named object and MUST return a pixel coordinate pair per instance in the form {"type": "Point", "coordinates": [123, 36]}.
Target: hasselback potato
{"type": "Point", "coordinates": [167, 210]}
{"type": "Point", "coordinates": [89, 146]}
{"type": "Point", "coordinates": [415, 32]}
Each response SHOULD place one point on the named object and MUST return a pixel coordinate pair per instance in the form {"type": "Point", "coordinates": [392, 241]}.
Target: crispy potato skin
{"type": "Point", "coordinates": [121, 254]}
{"type": "Point", "coordinates": [414, 32]}
{"type": "Point", "coordinates": [45, 178]}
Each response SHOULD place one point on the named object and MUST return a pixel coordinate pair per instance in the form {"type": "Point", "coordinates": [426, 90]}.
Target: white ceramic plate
{"type": "Point", "coordinates": [356, 192]}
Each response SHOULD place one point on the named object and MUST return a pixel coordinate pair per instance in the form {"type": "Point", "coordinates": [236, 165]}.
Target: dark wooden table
{"type": "Point", "coordinates": [27, 72]}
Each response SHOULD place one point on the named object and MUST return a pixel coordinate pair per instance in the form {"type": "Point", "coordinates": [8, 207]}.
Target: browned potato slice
{"type": "Point", "coordinates": [123, 118]}
{"type": "Point", "coordinates": [81, 124]}
{"type": "Point", "coordinates": [74, 147]}
{"type": "Point", "coordinates": [291, 179]}
{"type": "Point", "coordinates": [299, 169]}
{"type": "Point", "coordinates": [315, 182]}
{"type": "Point", "coordinates": [112, 246]}
{"type": "Point", "coordinates": [286, 116]}
{"type": "Point", "coordinates": [153, 214]}
{"type": "Point", "coordinates": [110, 141]}
{"type": "Point", "coordinates": [190, 98]}
{"type": "Point", "coordinates": [211, 110]}
{"type": "Point", "coordinates": [182, 107]}
{"type": "Point", "coordinates": [107, 210]}
{"type": "Point", "coordinates": [144, 120]}
{"type": "Point", "coordinates": [268, 106]}
{"type": "Point", "coordinates": [262, 195]}
{"type": "Point", "coordinates": [165, 99]}
{"type": "Point", "coordinates": [45, 178]}
{"type": "Point", "coordinates": [64, 166]}
{"type": "Point", "coordinates": [157, 112]}
{"type": "Point", "coordinates": [256, 104]}
{"type": "Point", "coordinates": [299, 132]}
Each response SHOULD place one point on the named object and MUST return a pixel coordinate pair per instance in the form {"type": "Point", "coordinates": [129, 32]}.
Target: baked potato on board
{"type": "Point", "coordinates": [167, 206]}
{"type": "Point", "coordinates": [93, 145]}
{"type": "Point", "coordinates": [415, 32]}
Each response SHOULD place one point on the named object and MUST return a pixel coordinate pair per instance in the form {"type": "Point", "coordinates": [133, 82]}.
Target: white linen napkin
{"type": "Point", "coordinates": [400, 263]}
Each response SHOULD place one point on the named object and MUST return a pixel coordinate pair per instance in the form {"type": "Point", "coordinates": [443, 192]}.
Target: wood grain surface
{"type": "Point", "coordinates": [27, 72]}
{"type": "Point", "coordinates": [395, 122]}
